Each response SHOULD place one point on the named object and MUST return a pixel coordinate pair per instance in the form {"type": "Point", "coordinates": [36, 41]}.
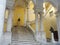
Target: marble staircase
{"type": "Point", "coordinates": [23, 36]}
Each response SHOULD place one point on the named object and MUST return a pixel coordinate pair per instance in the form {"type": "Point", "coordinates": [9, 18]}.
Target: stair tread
{"type": "Point", "coordinates": [22, 36]}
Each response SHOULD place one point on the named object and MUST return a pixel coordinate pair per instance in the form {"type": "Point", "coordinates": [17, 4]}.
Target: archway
{"type": "Point", "coordinates": [21, 33]}
{"type": "Point", "coordinates": [50, 18]}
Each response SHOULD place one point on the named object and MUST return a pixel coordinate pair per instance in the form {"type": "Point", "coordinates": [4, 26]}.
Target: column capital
{"type": "Point", "coordinates": [57, 13]}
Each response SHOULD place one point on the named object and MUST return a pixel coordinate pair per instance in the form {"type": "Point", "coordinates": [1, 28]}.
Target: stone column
{"type": "Point", "coordinates": [40, 36]}
{"type": "Point", "coordinates": [58, 23]}
{"type": "Point", "coordinates": [2, 11]}
{"type": "Point", "coordinates": [36, 23]}
{"type": "Point", "coordinates": [25, 17]}
{"type": "Point", "coordinates": [42, 33]}
{"type": "Point", "coordinates": [9, 25]}
{"type": "Point", "coordinates": [9, 22]}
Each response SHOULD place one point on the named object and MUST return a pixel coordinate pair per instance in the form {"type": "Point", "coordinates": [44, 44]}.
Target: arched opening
{"type": "Point", "coordinates": [50, 20]}
{"type": "Point", "coordinates": [23, 13]}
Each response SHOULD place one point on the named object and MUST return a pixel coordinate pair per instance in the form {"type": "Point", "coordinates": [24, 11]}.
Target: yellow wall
{"type": "Point", "coordinates": [48, 22]}
{"type": "Point", "coordinates": [18, 13]}
{"type": "Point", "coordinates": [32, 16]}
{"type": "Point", "coordinates": [5, 19]}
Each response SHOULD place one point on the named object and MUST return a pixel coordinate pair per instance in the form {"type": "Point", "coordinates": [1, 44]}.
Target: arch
{"type": "Point", "coordinates": [53, 2]}
{"type": "Point", "coordinates": [34, 1]}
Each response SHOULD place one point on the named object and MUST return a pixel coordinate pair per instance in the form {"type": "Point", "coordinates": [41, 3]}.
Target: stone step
{"type": "Point", "coordinates": [22, 36]}
{"type": "Point", "coordinates": [33, 43]}
{"type": "Point", "coordinates": [25, 43]}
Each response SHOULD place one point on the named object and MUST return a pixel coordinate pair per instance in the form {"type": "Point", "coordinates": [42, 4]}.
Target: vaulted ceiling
{"type": "Point", "coordinates": [11, 3]}
{"type": "Point", "coordinates": [20, 3]}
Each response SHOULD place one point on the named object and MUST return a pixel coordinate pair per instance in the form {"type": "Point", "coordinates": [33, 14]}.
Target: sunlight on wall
{"type": "Point", "coordinates": [5, 20]}
{"type": "Point", "coordinates": [32, 16]}
{"type": "Point", "coordinates": [49, 21]}
{"type": "Point", "coordinates": [18, 13]}
{"type": "Point", "coordinates": [31, 11]}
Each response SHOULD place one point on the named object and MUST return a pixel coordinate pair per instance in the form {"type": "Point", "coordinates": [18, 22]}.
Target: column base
{"type": "Point", "coordinates": [40, 37]}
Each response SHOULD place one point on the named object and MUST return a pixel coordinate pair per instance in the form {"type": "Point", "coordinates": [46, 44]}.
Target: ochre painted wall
{"type": "Point", "coordinates": [18, 13]}
{"type": "Point", "coordinates": [49, 22]}
{"type": "Point", "coordinates": [46, 23]}
{"type": "Point", "coordinates": [6, 19]}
